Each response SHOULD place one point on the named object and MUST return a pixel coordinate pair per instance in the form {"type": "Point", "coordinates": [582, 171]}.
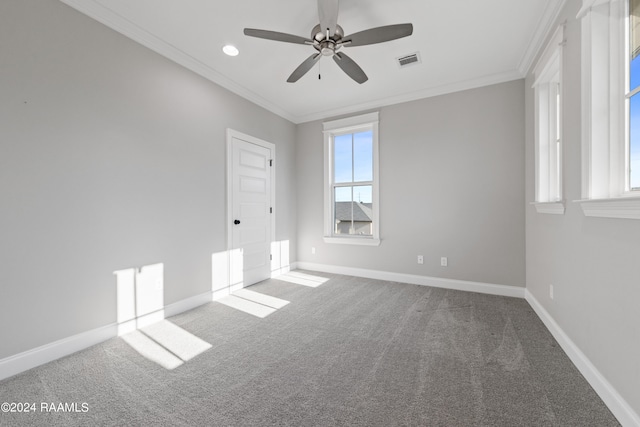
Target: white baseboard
{"type": "Point", "coordinates": [220, 293]}
{"type": "Point", "coordinates": [187, 304]}
{"type": "Point", "coordinates": [29, 359]}
{"type": "Point", "coordinates": [616, 404]}
{"type": "Point", "coordinates": [460, 285]}
{"type": "Point", "coordinates": [24, 361]}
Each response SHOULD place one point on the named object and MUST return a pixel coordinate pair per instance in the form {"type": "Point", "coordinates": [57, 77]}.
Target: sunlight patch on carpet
{"type": "Point", "coordinates": [259, 298]}
{"type": "Point", "coordinates": [166, 344]}
{"type": "Point", "coordinates": [246, 306]}
{"type": "Point", "coordinates": [302, 279]}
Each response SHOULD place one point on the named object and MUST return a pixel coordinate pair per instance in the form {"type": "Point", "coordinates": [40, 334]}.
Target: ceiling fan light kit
{"type": "Point", "coordinates": [327, 38]}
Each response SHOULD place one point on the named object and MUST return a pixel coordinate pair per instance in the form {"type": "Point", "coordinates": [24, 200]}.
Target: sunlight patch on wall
{"type": "Point", "coordinates": [236, 268]}
{"type": "Point", "coordinates": [220, 272]}
{"type": "Point", "coordinates": [303, 279]}
{"type": "Point", "coordinates": [227, 268]}
{"type": "Point", "coordinates": [140, 297]}
{"type": "Point", "coordinates": [279, 258]}
{"type": "Point", "coordinates": [226, 272]}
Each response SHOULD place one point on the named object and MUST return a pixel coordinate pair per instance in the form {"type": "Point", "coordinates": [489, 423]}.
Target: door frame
{"type": "Point", "coordinates": [231, 133]}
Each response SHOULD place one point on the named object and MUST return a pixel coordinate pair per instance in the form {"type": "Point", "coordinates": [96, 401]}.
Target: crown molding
{"type": "Point", "coordinates": [413, 96]}
{"type": "Point", "coordinates": [542, 32]}
{"type": "Point", "coordinates": [118, 23]}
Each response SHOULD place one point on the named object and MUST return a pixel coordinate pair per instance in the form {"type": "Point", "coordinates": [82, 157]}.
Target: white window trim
{"type": "Point", "coordinates": [341, 126]}
{"type": "Point", "coordinates": [604, 134]}
{"type": "Point", "coordinates": [556, 208]}
{"type": "Point", "coordinates": [548, 162]}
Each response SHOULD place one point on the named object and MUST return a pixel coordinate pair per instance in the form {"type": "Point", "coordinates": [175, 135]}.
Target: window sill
{"type": "Point", "coordinates": [362, 241]}
{"type": "Point", "coordinates": [556, 208]}
{"type": "Point", "coordinates": [622, 207]}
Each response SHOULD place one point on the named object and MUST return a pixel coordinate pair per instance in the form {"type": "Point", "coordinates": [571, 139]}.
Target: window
{"type": "Point", "coordinates": [351, 180]}
{"type": "Point", "coordinates": [633, 97]}
{"type": "Point", "coordinates": [548, 127]}
{"type": "Point", "coordinates": [610, 110]}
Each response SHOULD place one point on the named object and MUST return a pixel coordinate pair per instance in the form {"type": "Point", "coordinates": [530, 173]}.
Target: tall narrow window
{"type": "Point", "coordinates": [548, 130]}
{"type": "Point", "coordinates": [610, 108]}
{"type": "Point", "coordinates": [633, 98]}
{"type": "Point", "coordinates": [351, 191]}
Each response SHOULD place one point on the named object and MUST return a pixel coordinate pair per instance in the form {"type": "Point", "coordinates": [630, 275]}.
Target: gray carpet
{"type": "Point", "coordinates": [351, 352]}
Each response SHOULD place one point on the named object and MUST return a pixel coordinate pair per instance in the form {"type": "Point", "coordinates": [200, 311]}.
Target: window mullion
{"type": "Point", "coordinates": [353, 177]}
{"type": "Point", "coordinates": [350, 184]}
{"type": "Point", "coordinates": [551, 140]}
{"type": "Point", "coordinates": [352, 225]}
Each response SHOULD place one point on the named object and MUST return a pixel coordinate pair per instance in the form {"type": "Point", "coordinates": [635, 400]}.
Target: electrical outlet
{"type": "Point", "coordinates": [313, 250]}
{"type": "Point", "coordinates": [444, 261]}
{"type": "Point", "coordinates": [420, 259]}
{"type": "Point", "coordinates": [551, 291]}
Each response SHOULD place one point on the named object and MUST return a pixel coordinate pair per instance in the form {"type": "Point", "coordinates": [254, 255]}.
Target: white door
{"type": "Point", "coordinates": [251, 211]}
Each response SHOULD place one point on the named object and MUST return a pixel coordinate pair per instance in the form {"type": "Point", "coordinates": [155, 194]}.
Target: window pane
{"type": "Point", "coordinates": [363, 156]}
{"type": "Point", "coordinates": [634, 43]}
{"type": "Point", "coordinates": [362, 194]}
{"type": "Point", "coordinates": [343, 210]}
{"type": "Point", "coordinates": [353, 210]}
{"type": "Point", "coordinates": [343, 194]}
{"type": "Point", "coordinates": [634, 142]}
{"type": "Point", "coordinates": [634, 73]}
{"type": "Point", "coordinates": [342, 153]}
{"type": "Point", "coordinates": [557, 112]}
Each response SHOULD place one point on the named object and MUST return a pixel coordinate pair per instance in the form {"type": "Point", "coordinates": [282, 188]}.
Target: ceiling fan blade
{"type": "Point", "coordinates": [328, 13]}
{"type": "Point", "coordinates": [274, 35]}
{"type": "Point", "coordinates": [349, 66]}
{"type": "Point", "coordinates": [378, 35]}
{"type": "Point", "coordinates": [303, 68]}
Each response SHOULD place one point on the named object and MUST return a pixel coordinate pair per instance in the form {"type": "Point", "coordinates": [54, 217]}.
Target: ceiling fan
{"type": "Point", "coordinates": [328, 38]}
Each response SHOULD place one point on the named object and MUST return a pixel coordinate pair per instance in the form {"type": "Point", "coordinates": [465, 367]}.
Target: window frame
{"type": "Point", "coordinates": [548, 98]}
{"type": "Point", "coordinates": [605, 136]}
{"type": "Point", "coordinates": [331, 129]}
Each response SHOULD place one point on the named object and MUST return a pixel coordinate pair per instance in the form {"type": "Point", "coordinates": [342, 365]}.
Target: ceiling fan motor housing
{"type": "Point", "coordinates": [325, 44]}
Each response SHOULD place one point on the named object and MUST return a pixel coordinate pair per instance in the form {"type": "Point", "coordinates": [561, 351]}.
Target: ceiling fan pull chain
{"type": "Point", "coordinates": [319, 73]}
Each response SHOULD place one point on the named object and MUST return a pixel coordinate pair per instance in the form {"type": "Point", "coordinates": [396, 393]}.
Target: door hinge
{"type": "Point", "coordinates": [270, 162]}
{"type": "Point", "coordinates": [270, 257]}
{"type": "Point", "coordinates": [270, 210]}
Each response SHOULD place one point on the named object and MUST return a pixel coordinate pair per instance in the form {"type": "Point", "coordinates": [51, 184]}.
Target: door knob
{"type": "Point", "coordinates": [236, 222]}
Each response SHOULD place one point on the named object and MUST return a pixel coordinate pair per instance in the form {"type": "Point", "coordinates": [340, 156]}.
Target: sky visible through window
{"type": "Point", "coordinates": [353, 163]}
{"type": "Point", "coordinates": [634, 125]}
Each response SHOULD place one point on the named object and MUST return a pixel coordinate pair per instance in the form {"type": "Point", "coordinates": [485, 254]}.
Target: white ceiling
{"type": "Point", "coordinates": [462, 43]}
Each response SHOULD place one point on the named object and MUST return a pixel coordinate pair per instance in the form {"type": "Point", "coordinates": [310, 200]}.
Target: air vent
{"type": "Point", "coordinates": [407, 60]}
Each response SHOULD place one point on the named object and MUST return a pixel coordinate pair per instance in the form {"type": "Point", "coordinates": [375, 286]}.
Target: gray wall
{"type": "Point", "coordinates": [451, 184]}
{"type": "Point", "coordinates": [593, 263]}
{"type": "Point", "coordinates": [111, 157]}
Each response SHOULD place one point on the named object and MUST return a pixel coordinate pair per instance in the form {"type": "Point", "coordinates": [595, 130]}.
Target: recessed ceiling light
{"type": "Point", "coordinates": [230, 50]}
